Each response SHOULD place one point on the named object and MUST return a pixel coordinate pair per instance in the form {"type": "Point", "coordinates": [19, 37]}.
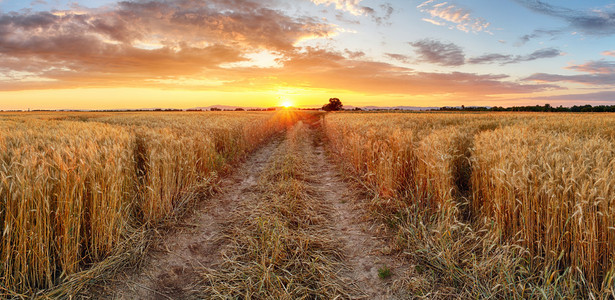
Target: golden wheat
{"type": "Point", "coordinates": [72, 186]}
{"type": "Point", "coordinates": [541, 183]}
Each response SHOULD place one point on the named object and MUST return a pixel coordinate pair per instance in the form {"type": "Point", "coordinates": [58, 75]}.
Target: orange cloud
{"type": "Point", "coordinates": [459, 16]}
{"type": "Point", "coordinates": [197, 45]}
{"type": "Point", "coordinates": [193, 37]}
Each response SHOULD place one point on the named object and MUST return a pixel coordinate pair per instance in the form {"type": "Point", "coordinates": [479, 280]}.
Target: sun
{"type": "Point", "coordinates": [287, 103]}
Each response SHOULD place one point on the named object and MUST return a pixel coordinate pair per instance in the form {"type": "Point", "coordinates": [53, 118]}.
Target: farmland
{"type": "Point", "coordinates": [296, 204]}
{"type": "Point", "coordinates": [517, 205]}
{"type": "Point", "coordinates": [78, 189]}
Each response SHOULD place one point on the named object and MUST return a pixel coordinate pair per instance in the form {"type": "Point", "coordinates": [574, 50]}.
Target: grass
{"type": "Point", "coordinates": [280, 241]}
{"type": "Point", "coordinates": [384, 272]}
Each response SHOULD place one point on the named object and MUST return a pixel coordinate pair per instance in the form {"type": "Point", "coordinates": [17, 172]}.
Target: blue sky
{"type": "Point", "coordinates": [431, 52]}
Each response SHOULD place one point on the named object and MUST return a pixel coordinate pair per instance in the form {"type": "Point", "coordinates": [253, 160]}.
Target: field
{"type": "Point", "coordinates": [293, 204]}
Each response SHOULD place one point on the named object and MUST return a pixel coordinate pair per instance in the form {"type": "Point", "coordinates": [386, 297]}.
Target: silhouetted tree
{"type": "Point", "coordinates": [333, 105]}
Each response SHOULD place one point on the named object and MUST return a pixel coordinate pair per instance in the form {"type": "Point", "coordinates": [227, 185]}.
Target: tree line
{"type": "Point", "coordinates": [534, 108]}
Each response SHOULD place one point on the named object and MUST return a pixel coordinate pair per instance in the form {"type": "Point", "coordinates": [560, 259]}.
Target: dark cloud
{"type": "Point", "coordinates": [542, 53]}
{"type": "Point", "coordinates": [379, 18]}
{"type": "Point", "coordinates": [387, 11]}
{"type": "Point", "coordinates": [597, 22]}
{"type": "Point", "coordinates": [354, 54]}
{"type": "Point", "coordinates": [449, 54]}
{"type": "Point", "coordinates": [491, 58]}
{"type": "Point", "coordinates": [398, 57]}
{"type": "Point", "coordinates": [432, 51]}
{"type": "Point", "coordinates": [512, 59]}
{"type": "Point", "coordinates": [538, 33]}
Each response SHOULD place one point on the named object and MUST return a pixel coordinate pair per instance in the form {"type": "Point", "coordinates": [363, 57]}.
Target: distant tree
{"type": "Point", "coordinates": [333, 105]}
{"type": "Point", "coordinates": [239, 109]}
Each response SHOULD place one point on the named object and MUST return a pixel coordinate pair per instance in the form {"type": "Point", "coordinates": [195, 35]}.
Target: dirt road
{"type": "Point", "coordinates": [172, 267]}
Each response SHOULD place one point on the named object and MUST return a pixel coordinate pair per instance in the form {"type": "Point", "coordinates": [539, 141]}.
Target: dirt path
{"type": "Point", "coordinates": [365, 250]}
{"type": "Point", "coordinates": [170, 270]}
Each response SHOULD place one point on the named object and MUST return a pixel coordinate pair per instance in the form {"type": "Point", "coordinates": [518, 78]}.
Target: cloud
{"type": "Point", "coordinates": [608, 53]}
{"type": "Point", "coordinates": [354, 7]}
{"type": "Point", "coordinates": [207, 45]}
{"type": "Point", "coordinates": [600, 73]}
{"type": "Point", "coordinates": [604, 97]}
{"type": "Point", "coordinates": [503, 59]}
{"type": "Point", "coordinates": [491, 58]}
{"type": "Point", "coordinates": [351, 6]}
{"type": "Point", "coordinates": [432, 21]}
{"type": "Point", "coordinates": [140, 40]}
{"type": "Point", "coordinates": [461, 17]}
{"type": "Point", "coordinates": [596, 22]}
{"type": "Point", "coordinates": [538, 33]}
{"type": "Point", "coordinates": [587, 79]}
{"type": "Point", "coordinates": [398, 57]}
{"type": "Point", "coordinates": [595, 67]}
{"type": "Point", "coordinates": [320, 68]}
{"type": "Point", "coordinates": [436, 52]}
{"type": "Point", "coordinates": [449, 54]}
{"type": "Point", "coordinates": [354, 54]}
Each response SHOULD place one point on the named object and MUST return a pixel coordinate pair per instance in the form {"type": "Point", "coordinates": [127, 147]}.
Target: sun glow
{"type": "Point", "coordinates": [287, 103]}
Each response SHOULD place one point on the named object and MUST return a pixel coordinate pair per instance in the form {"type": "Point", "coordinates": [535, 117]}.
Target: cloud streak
{"type": "Point", "coordinates": [538, 33]}
{"type": "Point", "coordinates": [603, 97]}
{"type": "Point", "coordinates": [436, 52]}
{"type": "Point", "coordinates": [596, 22]}
{"type": "Point", "coordinates": [444, 13]}
{"type": "Point", "coordinates": [449, 54]}
{"type": "Point", "coordinates": [503, 59]}
{"type": "Point", "coordinates": [595, 67]}
{"type": "Point", "coordinates": [600, 73]}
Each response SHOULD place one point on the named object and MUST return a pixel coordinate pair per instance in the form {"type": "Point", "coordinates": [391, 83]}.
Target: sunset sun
{"type": "Point", "coordinates": [287, 103]}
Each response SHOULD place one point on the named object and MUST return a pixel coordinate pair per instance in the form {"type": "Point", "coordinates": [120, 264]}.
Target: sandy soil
{"type": "Point", "coordinates": [365, 248]}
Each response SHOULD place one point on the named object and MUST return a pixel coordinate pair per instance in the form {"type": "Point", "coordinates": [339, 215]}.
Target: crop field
{"type": "Point", "coordinates": [75, 187]}
{"type": "Point", "coordinates": [294, 204]}
{"type": "Point", "coordinates": [497, 205]}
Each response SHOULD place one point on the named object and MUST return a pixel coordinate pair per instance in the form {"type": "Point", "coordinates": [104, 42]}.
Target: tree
{"type": "Point", "coordinates": [333, 105]}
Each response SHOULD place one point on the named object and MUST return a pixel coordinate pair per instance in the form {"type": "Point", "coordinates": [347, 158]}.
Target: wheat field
{"type": "Point", "coordinates": [484, 205]}
{"type": "Point", "coordinates": [75, 186]}
{"type": "Point", "coordinates": [503, 205]}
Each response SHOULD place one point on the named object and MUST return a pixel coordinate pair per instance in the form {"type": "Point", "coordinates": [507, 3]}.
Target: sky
{"type": "Point", "coordinates": [102, 54]}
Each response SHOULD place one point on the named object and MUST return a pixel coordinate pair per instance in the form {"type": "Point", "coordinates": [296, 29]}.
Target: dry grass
{"type": "Point", "coordinates": [491, 205]}
{"type": "Point", "coordinates": [281, 247]}
{"type": "Point", "coordinates": [77, 192]}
